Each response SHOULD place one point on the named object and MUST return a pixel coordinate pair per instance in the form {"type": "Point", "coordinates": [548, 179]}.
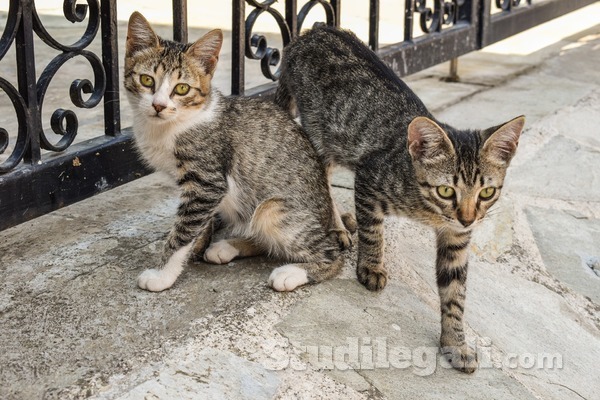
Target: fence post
{"type": "Point", "coordinates": [374, 24]}
{"type": "Point", "coordinates": [110, 60]}
{"type": "Point", "coordinates": [180, 23]}
{"type": "Point", "coordinates": [26, 77]}
{"type": "Point", "coordinates": [238, 37]}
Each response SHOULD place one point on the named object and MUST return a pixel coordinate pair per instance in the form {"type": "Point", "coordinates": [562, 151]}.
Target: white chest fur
{"type": "Point", "coordinates": [157, 146]}
{"type": "Point", "coordinates": [156, 140]}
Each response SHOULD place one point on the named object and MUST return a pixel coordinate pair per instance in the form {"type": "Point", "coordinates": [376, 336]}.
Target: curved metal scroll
{"type": "Point", "coordinates": [22, 133]}
{"type": "Point", "coordinates": [12, 24]}
{"type": "Point", "coordinates": [268, 56]}
{"type": "Point", "coordinates": [506, 5]}
{"type": "Point", "coordinates": [74, 13]}
{"type": "Point", "coordinates": [443, 13]}
{"type": "Point", "coordinates": [257, 48]}
{"type": "Point", "coordinates": [64, 122]}
{"type": "Point", "coordinates": [29, 113]}
{"type": "Point", "coordinates": [305, 10]}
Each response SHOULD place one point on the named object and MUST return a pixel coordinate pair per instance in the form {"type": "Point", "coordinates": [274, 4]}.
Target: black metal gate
{"type": "Point", "coordinates": [38, 176]}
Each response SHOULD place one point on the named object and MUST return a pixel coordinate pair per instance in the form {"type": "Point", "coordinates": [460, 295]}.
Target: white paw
{"type": "Point", "coordinates": [220, 252]}
{"type": "Point", "coordinates": [288, 278]}
{"type": "Point", "coordinates": [155, 280]}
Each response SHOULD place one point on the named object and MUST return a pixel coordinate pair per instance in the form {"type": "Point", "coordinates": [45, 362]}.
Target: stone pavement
{"type": "Point", "coordinates": [73, 324]}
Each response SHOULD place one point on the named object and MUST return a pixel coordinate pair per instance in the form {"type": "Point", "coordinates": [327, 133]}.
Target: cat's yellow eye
{"type": "Point", "coordinates": [146, 80]}
{"type": "Point", "coordinates": [487, 193]}
{"type": "Point", "coordinates": [182, 89]}
{"type": "Point", "coordinates": [445, 192]}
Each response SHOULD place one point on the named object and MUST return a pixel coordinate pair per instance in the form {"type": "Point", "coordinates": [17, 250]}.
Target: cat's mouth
{"type": "Point", "coordinates": [457, 226]}
{"type": "Point", "coordinates": [158, 116]}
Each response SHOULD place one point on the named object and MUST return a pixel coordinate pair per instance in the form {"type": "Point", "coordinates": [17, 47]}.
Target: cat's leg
{"type": "Point", "coordinates": [174, 259]}
{"type": "Point", "coordinates": [320, 259]}
{"type": "Point", "coordinates": [193, 226]}
{"type": "Point", "coordinates": [225, 250]}
{"type": "Point", "coordinates": [203, 241]}
{"type": "Point", "coordinates": [296, 235]}
{"type": "Point", "coordinates": [451, 268]}
{"type": "Point", "coordinates": [341, 223]}
{"type": "Point", "coordinates": [369, 216]}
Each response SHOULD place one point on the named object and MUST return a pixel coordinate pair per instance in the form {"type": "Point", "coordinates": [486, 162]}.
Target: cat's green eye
{"type": "Point", "coordinates": [146, 80]}
{"type": "Point", "coordinates": [445, 192]}
{"type": "Point", "coordinates": [487, 193]}
{"type": "Point", "coordinates": [182, 89]}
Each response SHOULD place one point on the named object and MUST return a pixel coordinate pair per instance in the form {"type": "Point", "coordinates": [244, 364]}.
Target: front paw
{"type": "Point", "coordinates": [154, 280]}
{"type": "Point", "coordinates": [220, 252]}
{"type": "Point", "coordinates": [344, 239]}
{"type": "Point", "coordinates": [349, 221]}
{"type": "Point", "coordinates": [462, 358]}
{"type": "Point", "coordinates": [374, 277]}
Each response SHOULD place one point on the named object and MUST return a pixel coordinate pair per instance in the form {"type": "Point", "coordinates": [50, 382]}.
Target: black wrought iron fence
{"type": "Point", "coordinates": [38, 175]}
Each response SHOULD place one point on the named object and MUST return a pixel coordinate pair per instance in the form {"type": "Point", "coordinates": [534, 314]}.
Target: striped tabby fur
{"type": "Point", "coordinates": [238, 160]}
{"type": "Point", "coordinates": [359, 114]}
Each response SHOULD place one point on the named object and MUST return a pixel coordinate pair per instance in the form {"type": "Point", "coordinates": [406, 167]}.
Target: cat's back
{"type": "Point", "coordinates": [350, 102]}
{"type": "Point", "coordinates": [259, 125]}
{"type": "Point", "coordinates": [261, 145]}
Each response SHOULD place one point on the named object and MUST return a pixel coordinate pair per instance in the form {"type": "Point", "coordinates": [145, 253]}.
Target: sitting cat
{"type": "Point", "coordinates": [241, 160]}
{"type": "Point", "coordinates": [360, 115]}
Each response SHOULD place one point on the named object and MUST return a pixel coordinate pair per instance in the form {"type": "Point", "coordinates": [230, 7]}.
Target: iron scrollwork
{"type": "Point", "coordinates": [507, 5]}
{"type": "Point", "coordinates": [23, 130]}
{"type": "Point", "coordinates": [8, 36]}
{"type": "Point", "coordinates": [257, 48]}
{"type": "Point", "coordinates": [74, 13]}
{"type": "Point", "coordinates": [305, 10]}
{"type": "Point", "coordinates": [443, 13]}
{"type": "Point", "coordinates": [29, 113]}
{"type": "Point", "coordinates": [268, 56]}
{"type": "Point", "coordinates": [64, 122]}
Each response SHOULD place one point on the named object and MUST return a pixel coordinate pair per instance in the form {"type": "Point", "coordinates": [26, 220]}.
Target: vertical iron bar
{"type": "Point", "coordinates": [110, 60]}
{"type": "Point", "coordinates": [484, 22]}
{"type": "Point", "coordinates": [238, 37]}
{"type": "Point", "coordinates": [409, 12]}
{"type": "Point", "coordinates": [374, 24]}
{"type": "Point", "coordinates": [291, 16]}
{"type": "Point", "coordinates": [180, 22]}
{"type": "Point", "coordinates": [453, 77]}
{"type": "Point", "coordinates": [336, 5]}
{"type": "Point", "coordinates": [27, 80]}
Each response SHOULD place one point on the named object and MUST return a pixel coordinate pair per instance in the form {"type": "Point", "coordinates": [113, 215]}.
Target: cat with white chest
{"type": "Point", "coordinates": [242, 161]}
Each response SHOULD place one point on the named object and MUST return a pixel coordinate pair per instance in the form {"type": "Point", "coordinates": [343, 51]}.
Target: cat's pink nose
{"type": "Point", "coordinates": [466, 221]}
{"type": "Point", "coordinates": [158, 107]}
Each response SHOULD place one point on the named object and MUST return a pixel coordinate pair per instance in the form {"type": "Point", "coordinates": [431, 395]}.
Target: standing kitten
{"type": "Point", "coordinates": [238, 158]}
{"type": "Point", "coordinates": [359, 114]}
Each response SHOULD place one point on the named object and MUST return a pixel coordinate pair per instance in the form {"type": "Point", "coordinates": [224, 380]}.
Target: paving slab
{"type": "Point", "coordinates": [70, 306]}
{"type": "Point", "coordinates": [489, 108]}
{"type": "Point", "coordinates": [560, 170]}
{"type": "Point", "coordinates": [210, 374]}
{"type": "Point", "coordinates": [569, 245]}
{"type": "Point", "coordinates": [536, 94]}
{"type": "Point", "coordinates": [387, 338]}
{"type": "Point", "coordinates": [544, 343]}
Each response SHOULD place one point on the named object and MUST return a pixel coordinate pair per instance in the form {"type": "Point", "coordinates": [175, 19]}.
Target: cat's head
{"type": "Point", "coordinates": [167, 81]}
{"type": "Point", "coordinates": [461, 173]}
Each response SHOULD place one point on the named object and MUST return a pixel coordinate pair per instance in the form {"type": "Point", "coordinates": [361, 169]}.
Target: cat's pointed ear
{"type": "Point", "coordinates": [501, 142]}
{"type": "Point", "coordinates": [427, 141]}
{"type": "Point", "coordinates": [140, 35]}
{"type": "Point", "coordinates": [207, 49]}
